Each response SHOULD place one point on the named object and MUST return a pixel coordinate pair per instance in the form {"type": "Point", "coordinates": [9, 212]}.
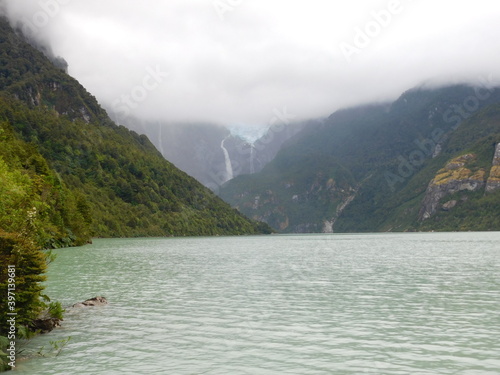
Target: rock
{"type": "Point", "coordinates": [449, 205]}
{"type": "Point", "coordinates": [435, 193]}
{"type": "Point", "coordinates": [496, 158]}
{"type": "Point", "coordinates": [459, 162]}
{"type": "Point", "coordinates": [453, 178]}
{"type": "Point", "coordinates": [493, 183]}
{"type": "Point", "coordinates": [437, 151]}
{"type": "Point", "coordinates": [96, 301]}
{"type": "Point", "coordinates": [45, 325]}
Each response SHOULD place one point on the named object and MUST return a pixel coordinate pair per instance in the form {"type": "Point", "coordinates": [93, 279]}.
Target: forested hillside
{"type": "Point", "coordinates": [129, 188]}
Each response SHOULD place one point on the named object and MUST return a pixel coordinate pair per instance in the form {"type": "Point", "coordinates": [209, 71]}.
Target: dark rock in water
{"type": "Point", "coordinates": [96, 301]}
{"type": "Point", "coordinates": [45, 325]}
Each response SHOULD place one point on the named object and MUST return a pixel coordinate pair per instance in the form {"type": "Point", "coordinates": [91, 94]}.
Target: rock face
{"type": "Point", "coordinates": [96, 301]}
{"type": "Point", "coordinates": [493, 183]}
{"type": "Point", "coordinates": [286, 206]}
{"type": "Point", "coordinates": [453, 178]}
{"type": "Point", "coordinates": [45, 325]}
{"type": "Point", "coordinates": [448, 206]}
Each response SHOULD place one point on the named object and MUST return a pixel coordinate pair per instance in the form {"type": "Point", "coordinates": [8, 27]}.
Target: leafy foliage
{"type": "Point", "coordinates": [29, 184]}
{"type": "Point", "coordinates": [37, 211]}
{"type": "Point", "coordinates": [20, 251]}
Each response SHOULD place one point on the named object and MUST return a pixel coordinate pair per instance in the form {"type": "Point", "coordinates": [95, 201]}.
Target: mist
{"type": "Point", "coordinates": [238, 62]}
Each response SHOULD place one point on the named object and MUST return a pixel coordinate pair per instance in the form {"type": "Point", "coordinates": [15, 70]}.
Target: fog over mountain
{"type": "Point", "coordinates": [235, 62]}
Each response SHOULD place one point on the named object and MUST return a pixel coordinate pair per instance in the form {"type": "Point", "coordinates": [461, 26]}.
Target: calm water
{"type": "Point", "coordinates": [315, 304]}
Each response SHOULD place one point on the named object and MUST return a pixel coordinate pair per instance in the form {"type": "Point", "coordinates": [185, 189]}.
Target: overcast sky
{"type": "Point", "coordinates": [238, 62]}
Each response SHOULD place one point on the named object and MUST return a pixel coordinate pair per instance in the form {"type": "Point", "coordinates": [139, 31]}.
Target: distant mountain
{"type": "Point", "coordinates": [115, 176]}
{"type": "Point", "coordinates": [211, 153]}
{"type": "Point", "coordinates": [424, 162]}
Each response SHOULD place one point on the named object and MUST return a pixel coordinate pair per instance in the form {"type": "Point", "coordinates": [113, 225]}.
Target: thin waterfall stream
{"type": "Point", "coordinates": [229, 166]}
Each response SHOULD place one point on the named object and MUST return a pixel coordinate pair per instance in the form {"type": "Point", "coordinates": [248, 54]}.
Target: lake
{"type": "Point", "coordinates": [297, 304]}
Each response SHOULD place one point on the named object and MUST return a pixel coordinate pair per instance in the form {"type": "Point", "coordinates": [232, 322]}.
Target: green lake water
{"type": "Point", "coordinates": [302, 304]}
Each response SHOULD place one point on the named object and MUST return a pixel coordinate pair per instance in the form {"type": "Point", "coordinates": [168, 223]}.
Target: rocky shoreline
{"type": "Point", "coordinates": [45, 323]}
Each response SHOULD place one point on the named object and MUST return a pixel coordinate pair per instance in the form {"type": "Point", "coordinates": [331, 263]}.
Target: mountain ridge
{"type": "Point", "coordinates": [383, 149]}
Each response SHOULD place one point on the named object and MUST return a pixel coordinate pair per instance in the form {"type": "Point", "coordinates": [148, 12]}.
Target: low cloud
{"type": "Point", "coordinates": [235, 61]}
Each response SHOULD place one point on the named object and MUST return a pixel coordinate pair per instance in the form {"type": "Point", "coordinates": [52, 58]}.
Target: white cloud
{"type": "Point", "coordinates": [264, 54]}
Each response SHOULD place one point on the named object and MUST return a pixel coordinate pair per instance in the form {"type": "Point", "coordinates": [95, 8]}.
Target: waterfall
{"type": "Point", "coordinates": [252, 167]}
{"type": "Point", "coordinates": [229, 167]}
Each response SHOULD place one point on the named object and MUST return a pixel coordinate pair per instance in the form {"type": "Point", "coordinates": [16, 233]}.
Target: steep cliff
{"type": "Point", "coordinates": [493, 183]}
{"type": "Point", "coordinates": [453, 178]}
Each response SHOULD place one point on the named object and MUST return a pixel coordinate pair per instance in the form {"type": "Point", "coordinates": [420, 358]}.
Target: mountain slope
{"type": "Point", "coordinates": [130, 189]}
{"type": "Point", "coordinates": [196, 148]}
{"type": "Point", "coordinates": [31, 192]}
{"type": "Point", "coordinates": [367, 168]}
{"type": "Point", "coordinates": [459, 190]}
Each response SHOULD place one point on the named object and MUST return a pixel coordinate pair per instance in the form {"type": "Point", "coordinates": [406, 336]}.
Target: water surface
{"type": "Point", "coordinates": [301, 304]}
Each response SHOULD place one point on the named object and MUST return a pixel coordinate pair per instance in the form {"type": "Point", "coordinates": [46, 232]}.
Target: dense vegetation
{"type": "Point", "coordinates": [37, 211]}
{"type": "Point", "coordinates": [61, 216]}
{"type": "Point", "coordinates": [367, 168]}
{"type": "Point", "coordinates": [128, 187]}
